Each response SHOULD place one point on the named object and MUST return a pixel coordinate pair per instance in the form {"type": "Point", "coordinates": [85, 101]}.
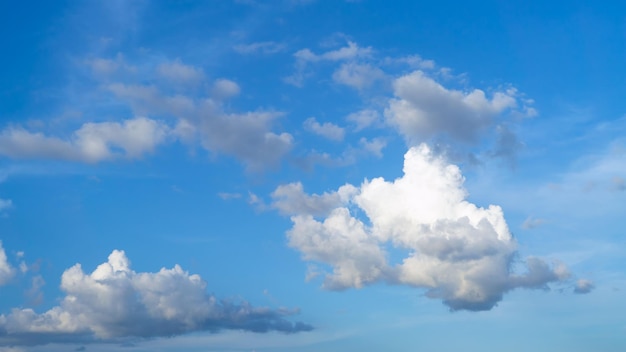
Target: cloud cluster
{"type": "Point", "coordinates": [115, 303]}
{"type": "Point", "coordinates": [195, 118]}
{"type": "Point", "coordinates": [460, 253]}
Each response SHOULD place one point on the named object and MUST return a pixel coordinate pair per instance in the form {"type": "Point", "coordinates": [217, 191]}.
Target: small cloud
{"type": "Point", "coordinates": [179, 73]}
{"type": "Point", "coordinates": [531, 223]}
{"type": "Point", "coordinates": [260, 48]}
{"type": "Point", "coordinates": [225, 88]}
{"type": "Point", "coordinates": [618, 184]}
{"type": "Point", "coordinates": [363, 119]}
{"type": "Point", "coordinates": [374, 146]}
{"type": "Point", "coordinates": [583, 286]}
{"type": "Point", "coordinates": [229, 196]}
{"type": "Point", "coordinates": [327, 129]}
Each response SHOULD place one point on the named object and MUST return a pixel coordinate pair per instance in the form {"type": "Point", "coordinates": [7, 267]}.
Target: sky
{"type": "Point", "coordinates": [312, 175]}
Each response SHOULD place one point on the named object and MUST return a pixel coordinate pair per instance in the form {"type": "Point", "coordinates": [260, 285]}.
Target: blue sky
{"type": "Point", "coordinates": [312, 175]}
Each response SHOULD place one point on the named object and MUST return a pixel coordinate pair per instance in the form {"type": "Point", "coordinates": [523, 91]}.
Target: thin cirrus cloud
{"type": "Point", "coordinates": [460, 253]}
{"type": "Point", "coordinates": [116, 304]}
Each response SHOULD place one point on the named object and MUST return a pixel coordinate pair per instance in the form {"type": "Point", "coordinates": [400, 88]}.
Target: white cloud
{"type": "Point", "coordinates": [358, 76]}
{"type": "Point", "coordinates": [374, 146]}
{"type": "Point", "coordinates": [246, 136]}
{"type": "Point", "coordinates": [531, 223]}
{"type": "Point", "coordinates": [423, 108]}
{"type": "Point", "coordinates": [179, 73]}
{"type": "Point", "coordinates": [115, 303]}
{"type": "Point", "coordinates": [290, 199]}
{"type": "Point", "coordinates": [92, 142]}
{"type": "Point", "coordinates": [364, 118]}
{"type": "Point", "coordinates": [327, 129]}
{"type": "Point", "coordinates": [6, 270]}
{"type": "Point", "coordinates": [349, 52]}
{"type": "Point", "coordinates": [461, 253]}
{"type": "Point", "coordinates": [260, 47]}
{"type": "Point", "coordinates": [224, 89]}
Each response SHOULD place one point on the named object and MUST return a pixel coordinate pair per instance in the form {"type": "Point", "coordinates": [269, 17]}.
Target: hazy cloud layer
{"type": "Point", "coordinates": [460, 253]}
{"type": "Point", "coordinates": [115, 303]}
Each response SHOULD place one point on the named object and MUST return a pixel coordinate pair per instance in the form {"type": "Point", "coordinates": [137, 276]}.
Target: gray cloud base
{"type": "Point", "coordinates": [116, 304]}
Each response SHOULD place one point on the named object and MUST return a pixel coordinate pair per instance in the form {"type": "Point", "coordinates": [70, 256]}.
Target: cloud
{"type": "Point", "coordinates": [92, 142]}
{"type": "Point", "coordinates": [5, 204]}
{"type": "Point", "coordinates": [374, 146]}
{"type": "Point", "coordinates": [246, 136]}
{"type": "Point", "coordinates": [290, 199]}
{"type": "Point", "coordinates": [363, 118]}
{"type": "Point", "coordinates": [115, 304]}
{"type": "Point", "coordinates": [531, 223]}
{"type": "Point", "coordinates": [349, 52]}
{"type": "Point", "coordinates": [260, 47]}
{"type": "Point", "coordinates": [6, 270]}
{"type": "Point", "coordinates": [423, 108]}
{"type": "Point", "coordinates": [461, 254]}
{"type": "Point", "coordinates": [179, 73]}
{"type": "Point", "coordinates": [583, 286]}
{"type": "Point", "coordinates": [358, 76]}
{"type": "Point", "coordinates": [327, 129]}
{"type": "Point", "coordinates": [225, 88]}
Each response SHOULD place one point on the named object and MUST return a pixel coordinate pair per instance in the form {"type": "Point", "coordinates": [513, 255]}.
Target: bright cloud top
{"type": "Point", "coordinates": [115, 303]}
{"type": "Point", "coordinates": [461, 253]}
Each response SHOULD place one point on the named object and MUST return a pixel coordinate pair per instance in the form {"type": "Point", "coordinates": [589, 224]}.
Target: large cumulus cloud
{"type": "Point", "coordinates": [460, 253]}
{"type": "Point", "coordinates": [115, 303]}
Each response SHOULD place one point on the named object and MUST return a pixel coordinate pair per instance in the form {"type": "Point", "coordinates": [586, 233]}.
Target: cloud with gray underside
{"type": "Point", "coordinates": [116, 304]}
{"type": "Point", "coordinates": [461, 254]}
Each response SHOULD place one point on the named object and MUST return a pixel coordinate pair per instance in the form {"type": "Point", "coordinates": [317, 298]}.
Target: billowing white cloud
{"type": "Point", "coordinates": [6, 270]}
{"type": "Point", "coordinates": [460, 253]}
{"type": "Point", "coordinates": [115, 303]}
{"type": "Point", "coordinates": [327, 129]}
{"type": "Point", "coordinates": [92, 142]}
{"type": "Point", "coordinates": [423, 108]}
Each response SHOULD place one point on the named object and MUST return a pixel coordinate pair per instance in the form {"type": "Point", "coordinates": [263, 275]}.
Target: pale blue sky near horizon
{"type": "Point", "coordinates": [242, 155]}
